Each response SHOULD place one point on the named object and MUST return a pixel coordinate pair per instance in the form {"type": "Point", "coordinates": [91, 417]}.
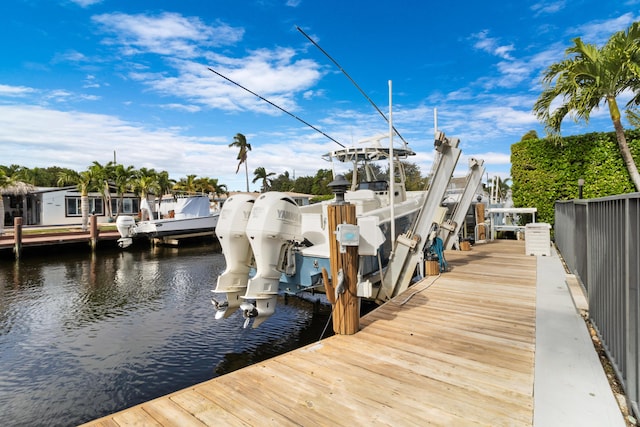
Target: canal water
{"type": "Point", "coordinates": [84, 335]}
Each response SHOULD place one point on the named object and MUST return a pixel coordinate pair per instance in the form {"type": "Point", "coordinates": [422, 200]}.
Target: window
{"type": "Point", "coordinates": [129, 205]}
{"type": "Point", "coordinates": [74, 206]}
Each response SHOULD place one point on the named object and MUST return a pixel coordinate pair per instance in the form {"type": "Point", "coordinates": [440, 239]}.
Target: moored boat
{"type": "Point", "coordinates": [191, 217]}
{"type": "Point", "coordinates": [285, 247]}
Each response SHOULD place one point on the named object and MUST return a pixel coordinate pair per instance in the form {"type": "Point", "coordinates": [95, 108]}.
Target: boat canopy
{"type": "Point", "coordinates": [192, 207]}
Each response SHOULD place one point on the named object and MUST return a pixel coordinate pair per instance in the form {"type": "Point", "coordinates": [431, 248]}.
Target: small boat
{"type": "Point", "coordinates": [191, 217]}
{"type": "Point", "coordinates": [272, 245]}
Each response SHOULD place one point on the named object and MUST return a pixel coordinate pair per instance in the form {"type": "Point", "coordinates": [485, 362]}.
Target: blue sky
{"type": "Point", "coordinates": [80, 79]}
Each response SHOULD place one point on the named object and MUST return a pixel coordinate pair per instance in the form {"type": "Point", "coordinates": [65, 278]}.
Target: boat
{"type": "Point", "coordinates": [191, 217]}
{"type": "Point", "coordinates": [272, 245]}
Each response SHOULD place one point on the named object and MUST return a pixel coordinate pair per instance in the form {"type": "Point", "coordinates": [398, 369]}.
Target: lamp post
{"type": "Point", "coordinates": [580, 185]}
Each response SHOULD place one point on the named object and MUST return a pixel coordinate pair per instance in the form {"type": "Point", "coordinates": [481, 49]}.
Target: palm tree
{"type": "Point", "coordinates": [261, 174]}
{"type": "Point", "coordinates": [124, 177]}
{"type": "Point", "coordinates": [102, 176]}
{"type": "Point", "coordinates": [188, 184]}
{"type": "Point", "coordinates": [589, 76]}
{"type": "Point", "coordinates": [145, 182]}
{"type": "Point", "coordinates": [240, 141]}
{"type": "Point", "coordinates": [216, 188]}
{"type": "Point", "coordinates": [85, 182]}
{"type": "Point", "coordinates": [165, 184]}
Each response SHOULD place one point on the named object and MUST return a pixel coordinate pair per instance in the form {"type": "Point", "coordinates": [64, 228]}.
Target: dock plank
{"type": "Point", "coordinates": [455, 349]}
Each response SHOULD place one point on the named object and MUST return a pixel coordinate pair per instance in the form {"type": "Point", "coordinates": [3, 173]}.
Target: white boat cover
{"type": "Point", "coordinates": [192, 207]}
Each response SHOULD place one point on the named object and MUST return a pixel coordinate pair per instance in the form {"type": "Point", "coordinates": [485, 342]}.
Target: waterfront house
{"type": "Point", "coordinates": [48, 206]}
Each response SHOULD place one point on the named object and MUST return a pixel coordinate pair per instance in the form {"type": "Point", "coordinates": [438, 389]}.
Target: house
{"type": "Point", "coordinates": [48, 206]}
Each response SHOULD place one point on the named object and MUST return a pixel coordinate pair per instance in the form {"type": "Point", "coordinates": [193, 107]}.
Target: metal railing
{"type": "Point", "coordinates": [599, 241]}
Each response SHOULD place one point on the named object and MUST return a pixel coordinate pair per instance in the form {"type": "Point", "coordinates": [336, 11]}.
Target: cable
{"type": "Point", "coordinates": [424, 288]}
{"type": "Point", "coordinates": [352, 81]}
{"type": "Point", "coordinates": [278, 107]}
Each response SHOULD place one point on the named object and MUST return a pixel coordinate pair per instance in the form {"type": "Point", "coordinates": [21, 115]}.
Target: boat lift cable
{"type": "Point", "coordinates": [278, 107]}
{"type": "Point", "coordinates": [352, 81]}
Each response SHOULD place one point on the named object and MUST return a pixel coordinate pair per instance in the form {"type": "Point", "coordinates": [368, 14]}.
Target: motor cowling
{"type": "Point", "coordinates": [125, 225]}
{"type": "Point", "coordinates": [273, 227]}
{"type": "Point", "coordinates": [231, 233]}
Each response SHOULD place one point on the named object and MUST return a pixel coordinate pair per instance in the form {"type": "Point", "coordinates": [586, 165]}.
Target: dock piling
{"type": "Point", "coordinates": [17, 237]}
{"type": "Point", "coordinates": [346, 310]}
{"type": "Point", "coordinates": [93, 232]}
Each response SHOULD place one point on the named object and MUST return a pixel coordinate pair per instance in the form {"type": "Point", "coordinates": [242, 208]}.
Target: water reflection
{"type": "Point", "coordinates": [85, 335]}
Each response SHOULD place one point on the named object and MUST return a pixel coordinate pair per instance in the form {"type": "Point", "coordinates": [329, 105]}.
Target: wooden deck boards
{"type": "Point", "coordinates": [457, 349]}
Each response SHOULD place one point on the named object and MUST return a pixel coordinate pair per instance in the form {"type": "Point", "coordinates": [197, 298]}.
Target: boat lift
{"type": "Point", "coordinates": [449, 230]}
{"type": "Point", "coordinates": [408, 249]}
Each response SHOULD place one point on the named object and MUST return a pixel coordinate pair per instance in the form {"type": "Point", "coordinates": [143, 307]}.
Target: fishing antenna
{"type": "Point", "coordinates": [278, 107]}
{"type": "Point", "coordinates": [352, 81]}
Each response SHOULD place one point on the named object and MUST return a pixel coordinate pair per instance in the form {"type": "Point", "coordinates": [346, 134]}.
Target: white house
{"type": "Point", "coordinates": [61, 206]}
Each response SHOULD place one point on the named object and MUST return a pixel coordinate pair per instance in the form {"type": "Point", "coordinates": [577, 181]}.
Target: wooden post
{"type": "Point", "coordinates": [17, 236]}
{"type": "Point", "coordinates": [93, 232]}
{"type": "Point", "coordinates": [346, 311]}
{"type": "Point", "coordinates": [480, 227]}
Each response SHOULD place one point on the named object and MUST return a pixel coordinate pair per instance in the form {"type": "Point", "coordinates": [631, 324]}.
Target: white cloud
{"type": "Point", "coordinates": [86, 3]}
{"type": "Point", "coordinates": [15, 91]}
{"type": "Point", "coordinates": [491, 45]}
{"type": "Point", "coordinates": [275, 75]}
{"type": "Point", "coordinates": [166, 34]}
{"type": "Point", "coordinates": [548, 7]}
{"type": "Point", "coordinates": [599, 32]}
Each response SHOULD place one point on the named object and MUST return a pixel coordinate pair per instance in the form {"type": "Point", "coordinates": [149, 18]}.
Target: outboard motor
{"type": "Point", "coordinates": [125, 225]}
{"type": "Point", "coordinates": [231, 227]}
{"type": "Point", "coordinates": [274, 226]}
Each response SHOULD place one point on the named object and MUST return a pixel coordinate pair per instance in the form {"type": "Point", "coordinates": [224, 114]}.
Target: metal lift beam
{"type": "Point", "coordinates": [407, 251]}
{"type": "Point", "coordinates": [450, 229]}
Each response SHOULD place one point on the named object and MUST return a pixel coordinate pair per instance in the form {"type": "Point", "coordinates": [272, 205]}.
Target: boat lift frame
{"type": "Point", "coordinates": [408, 249]}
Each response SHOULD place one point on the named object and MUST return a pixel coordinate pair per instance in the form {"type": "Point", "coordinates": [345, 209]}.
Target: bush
{"type": "Point", "coordinates": [543, 172]}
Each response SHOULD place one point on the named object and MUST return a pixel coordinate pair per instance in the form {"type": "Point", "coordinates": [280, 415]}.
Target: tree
{"type": "Point", "coordinates": [532, 134]}
{"type": "Point", "coordinates": [124, 177]}
{"type": "Point", "coordinates": [85, 182]}
{"type": "Point", "coordinates": [102, 176]}
{"type": "Point", "coordinates": [282, 182]}
{"type": "Point", "coordinates": [240, 141]}
{"type": "Point", "coordinates": [165, 184]}
{"type": "Point", "coordinates": [321, 182]}
{"type": "Point", "coordinates": [589, 76]}
{"type": "Point", "coordinates": [188, 184]}
{"type": "Point", "coordinates": [260, 174]}
{"type": "Point", "coordinates": [145, 182]}
{"type": "Point", "coordinates": [214, 187]}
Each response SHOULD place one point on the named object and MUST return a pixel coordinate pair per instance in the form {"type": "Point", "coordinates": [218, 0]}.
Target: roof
{"type": "Point", "coordinates": [18, 188]}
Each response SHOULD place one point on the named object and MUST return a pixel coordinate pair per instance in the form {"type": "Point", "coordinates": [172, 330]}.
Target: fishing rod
{"type": "Point", "coordinates": [352, 81]}
{"type": "Point", "coordinates": [278, 107]}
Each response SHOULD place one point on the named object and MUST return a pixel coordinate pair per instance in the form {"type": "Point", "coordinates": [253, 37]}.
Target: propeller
{"type": "Point", "coordinates": [249, 311]}
{"type": "Point", "coordinates": [221, 308]}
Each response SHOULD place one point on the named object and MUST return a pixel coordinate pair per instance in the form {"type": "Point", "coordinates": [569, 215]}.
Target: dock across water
{"type": "Point", "coordinates": [462, 348]}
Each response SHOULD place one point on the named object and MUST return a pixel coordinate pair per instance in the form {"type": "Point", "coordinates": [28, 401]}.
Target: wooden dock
{"type": "Point", "coordinates": [455, 349]}
{"type": "Point", "coordinates": [7, 241]}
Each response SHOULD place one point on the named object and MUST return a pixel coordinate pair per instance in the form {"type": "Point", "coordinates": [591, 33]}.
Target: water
{"type": "Point", "coordinates": [83, 336]}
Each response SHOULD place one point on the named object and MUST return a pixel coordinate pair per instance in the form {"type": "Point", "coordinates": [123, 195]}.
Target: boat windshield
{"type": "Point", "coordinates": [374, 185]}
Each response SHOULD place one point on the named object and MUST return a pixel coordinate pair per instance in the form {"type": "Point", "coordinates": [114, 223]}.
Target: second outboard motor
{"type": "Point", "coordinates": [274, 226]}
{"type": "Point", "coordinates": [231, 227]}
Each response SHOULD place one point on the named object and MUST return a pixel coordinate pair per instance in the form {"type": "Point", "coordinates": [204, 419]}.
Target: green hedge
{"type": "Point", "coordinates": [543, 172]}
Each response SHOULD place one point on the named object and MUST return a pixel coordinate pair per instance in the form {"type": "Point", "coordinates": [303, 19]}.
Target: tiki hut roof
{"type": "Point", "coordinates": [17, 188]}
